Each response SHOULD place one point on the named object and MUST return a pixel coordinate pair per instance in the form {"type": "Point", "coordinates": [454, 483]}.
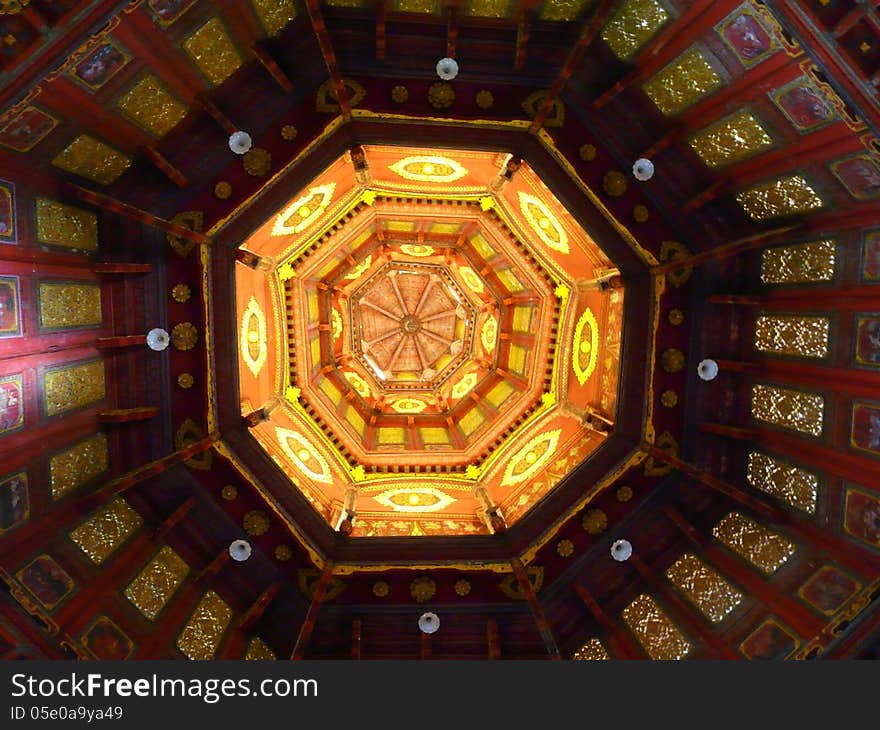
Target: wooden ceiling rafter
{"type": "Point", "coordinates": [324, 42]}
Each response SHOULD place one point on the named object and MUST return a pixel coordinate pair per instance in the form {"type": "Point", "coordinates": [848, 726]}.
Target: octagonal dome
{"type": "Point", "coordinates": [429, 338]}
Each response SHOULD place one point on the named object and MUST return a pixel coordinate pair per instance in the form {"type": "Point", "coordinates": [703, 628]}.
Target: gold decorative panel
{"type": "Point", "coordinates": [713, 595]}
{"type": "Point", "coordinates": [149, 105]}
{"type": "Point", "coordinates": [784, 196]}
{"type": "Point", "coordinates": [73, 386]}
{"type": "Point", "coordinates": [632, 26]}
{"type": "Point", "coordinates": [591, 651]}
{"type": "Point", "coordinates": [798, 487]}
{"type": "Point", "coordinates": [101, 534]}
{"type": "Point", "coordinates": [64, 225]}
{"type": "Point", "coordinates": [304, 455]}
{"type": "Point", "coordinates": [788, 408]}
{"type": "Point", "coordinates": [489, 8]}
{"type": "Point", "coordinates": [792, 334]}
{"type": "Point", "coordinates": [213, 51]}
{"type": "Point", "coordinates": [275, 14]}
{"type": "Point", "coordinates": [417, 6]}
{"type": "Point", "coordinates": [258, 650]}
{"type": "Point", "coordinates": [543, 222]}
{"type": "Point", "coordinates": [683, 82]}
{"type": "Point", "coordinates": [654, 630]}
{"type": "Point", "coordinates": [429, 168]}
{"type": "Point", "coordinates": [252, 337]}
{"type": "Point", "coordinates": [799, 264]}
{"type": "Point", "coordinates": [531, 457]}
{"type": "Point", "coordinates": [561, 9]}
{"type": "Point", "coordinates": [63, 304]}
{"type": "Point", "coordinates": [734, 138]}
{"type": "Point", "coordinates": [91, 159]}
{"type": "Point", "coordinates": [157, 582]}
{"type": "Point", "coordinates": [765, 549]}
{"type": "Point", "coordinates": [203, 632]}
{"type": "Point", "coordinates": [78, 464]}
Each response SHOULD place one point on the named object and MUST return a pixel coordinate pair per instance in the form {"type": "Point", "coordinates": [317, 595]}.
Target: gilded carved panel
{"type": "Point", "coordinates": [731, 139]}
{"type": "Point", "coordinates": [213, 52]}
{"type": "Point", "coordinates": [66, 304]}
{"type": "Point", "coordinates": [79, 464]}
{"type": "Point", "coordinates": [765, 549]}
{"type": "Point", "coordinates": [64, 225]}
{"type": "Point", "coordinates": [800, 263]}
{"type": "Point", "coordinates": [92, 159]}
{"type": "Point", "coordinates": [102, 533]}
{"type": "Point", "coordinates": [592, 650]}
{"type": "Point", "coordinates": [632, 26]}
{"type": "Point", "coordinates": [203, 632]}
{"type": "Point", "coordinates": [683, 82]}
{"type": "Point", "coordinates": [274, 14]}
{"type": "Point", "coordinates": [788, 408]}
{"type": "Point", "coordinates": [792, 484]}
{"type": "Point", "coordinates": [655, 630]}
{"type": "Point", "coordinates": [783, 196]}
{"type": "Point", "coordinates": [73, 386]}
{"type": "Point", "coordinates": [488, 8]}
{"type": "Point", "coordinates": [793, 335]}
{"type": "Point", "coordinates": [713, 595]}
{"type": "Point", "coordinates": [157, 582]}
{"type": "Point", "coordinates": [149, 105]}
{"type": "Point", "coordinates": [562, 10]}
{"type": "Point", "coordinates": [258, 650]}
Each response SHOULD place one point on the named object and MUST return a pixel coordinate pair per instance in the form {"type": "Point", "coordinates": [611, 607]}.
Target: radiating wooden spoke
{"type": "Point", "coordinates": [390, 333]}
{"type": "Point", "coordinates": [396, 354]}
{"type": "Point", "coordinates": [438, 315]}
{"type": "Point", "coordinates": [424, 298]}
{"type": "Point", "coordinates": [400, 300]}
{"type": "Point", "coordinates": [423, 362]}
{"type": "Point", "coordinates": [430, 334]}
{"type": "Point", "coordinates": [380, 310]}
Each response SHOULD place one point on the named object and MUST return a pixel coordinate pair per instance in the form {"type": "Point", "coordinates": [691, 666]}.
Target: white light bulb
{"type": "Point", "coordinates": [240, 142]}
{"type": "Point", "coordinates": [707, 369]}
{"type": "Point", "coordinates": [621, 550]}
{"type": "Point", "coordinates": [643, 169]}
{"type": "Point", "coordinates": [157, 339]}
{"type": "Point", "coordinates": [447, 68]}
{"type": "Point", "coordinates": [240, 550]}
{"type": "Point", "coordinates": [429, 622]}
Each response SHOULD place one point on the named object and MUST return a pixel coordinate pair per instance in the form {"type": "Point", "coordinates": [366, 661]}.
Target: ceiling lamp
{"type": "Point", "coordinates": [240, 142]}
{"type": "Point", "coordinates": [707, 369]}
{"type": "Point", "coordinates": [240, 550]}
{"type": "Point", "coordinates": [621, 550]}
{"type": "Point", "coordinates": [643, 169]}
{"type": "Point", "coordinates": [447, 68]}
{"type": "Point", "coordinates": [157, 339]}
{"type": "Point", "coordinates": [429, 622]}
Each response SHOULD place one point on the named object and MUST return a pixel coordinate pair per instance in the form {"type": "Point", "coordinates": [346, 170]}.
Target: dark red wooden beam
{"type": "Point", "coordinates": [844, 552]}
{"type": "Point", "coordinates": [380, 30]}
{"type": "Point", "coordinates": [622, 643]}
{"type": "Point", "coordinates": [492, 639]}
{"type": "Point", "coordinates": [234, 645]}
{"type": "Point", "coordinates": [105, 202]}
{"type": "Point", "coordinates": [588, 35]}
{"type": "Point", "coordinates": [451, 30]}
{"type": "Point", "coordinates": [271, 65]}
{"type": "Point", "coordinates": [119, 267]}
{"type": "Point", "coordinates": [119, 341]}
{"type": "Point", "coordinates": [835, 462]}
{"type": "Point", "coordinates": [762, 239]}
{"type": "Point", "coordinates": [308, 625]}
{"type": "Point", "coordinates": [841, 299]}
{"type": "Point", "coordinates": [848, 381]}
{"type": "Point", "coordinates": [164, 166]}
{"type": "Point", "coordinates": [127, 415]}
{"type": "Point", "coordinates": [543, 625]}
{"type": "Point", "coordinates": [356, 629]}
{"type": "Point", "coordinates": [205, 102]}
{"type": "Point", "coordinates": [683, 613]}
{"type": "Point", "coordinates": [323, 36]}
{"type": "Point", "coordinates": [794, 614]}
{"type": "Point", "coordinates": [425, 647]}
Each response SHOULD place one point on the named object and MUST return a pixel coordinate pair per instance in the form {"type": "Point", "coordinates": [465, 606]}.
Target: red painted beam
{"type": "Point", "coordinates": [622, 643]}
{"type": "Point", "coordinates": [308, 625]}
{"type": "Point", "coordinates": [543, 625]}
{"type": "Point", "coordinates": [323, 36]}
{"type": "Point", "coordinates": [271, 65]}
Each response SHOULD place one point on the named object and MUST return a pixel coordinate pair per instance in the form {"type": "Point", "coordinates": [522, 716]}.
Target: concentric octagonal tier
{"type": "Point", "coordinates": [430, 339]}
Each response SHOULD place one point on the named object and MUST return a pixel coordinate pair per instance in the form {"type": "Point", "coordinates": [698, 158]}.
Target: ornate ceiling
{"type": "Point", "coordinates": [447, 310]}
{"type": "Point", "coordinates": [431, 338]}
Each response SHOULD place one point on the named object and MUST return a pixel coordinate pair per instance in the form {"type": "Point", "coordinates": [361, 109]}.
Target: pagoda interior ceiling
{"type": "Point", "coordinates": [432, 345]}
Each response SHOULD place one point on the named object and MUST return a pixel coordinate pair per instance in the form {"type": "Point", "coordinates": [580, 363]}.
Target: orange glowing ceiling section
{"type": "Point", "coordinates": [427, 337]}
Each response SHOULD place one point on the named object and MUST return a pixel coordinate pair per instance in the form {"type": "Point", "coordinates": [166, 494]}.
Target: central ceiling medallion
{"type": "Point", "coordinates": [411, 325]}
{"type": "Point", "coordinates": [434, 348]}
